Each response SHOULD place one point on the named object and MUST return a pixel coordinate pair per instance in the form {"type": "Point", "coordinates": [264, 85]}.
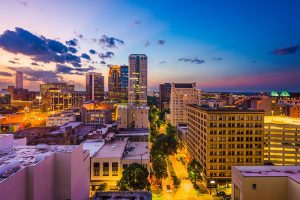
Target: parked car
{"type": "Point", "coordinates": [220, 193]}
{"type": "Point", "coordinates": [169, 188]}
{"type": "Point", "coordinates": [227, 197]}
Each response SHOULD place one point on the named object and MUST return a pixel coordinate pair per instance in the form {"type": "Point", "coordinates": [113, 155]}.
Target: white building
{"type": "Point", "coordinates": [266, 182]}
{"type": "Point", "coordinates": [43, 172]}
{"type": "Point", "coordinates": [60, 119]}
{"type": "Point", "coordinates": [110, 159]}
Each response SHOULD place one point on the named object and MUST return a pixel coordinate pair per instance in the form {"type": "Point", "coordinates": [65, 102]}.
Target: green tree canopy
{"type": "Point", "coordinates": [194, 170]}
{"type": "Point", "coordinates": [134, 177]}
{"type": "Point", "coordinates": [159, 164]}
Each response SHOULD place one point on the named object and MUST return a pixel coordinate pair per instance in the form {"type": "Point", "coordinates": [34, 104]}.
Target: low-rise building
{"type": "Point", "coordinates": [282, 140]}
{"type": "Point", "coordinates": [60, 119]}
{"type": "Point", "coordinates": [96, 117]}
{"type": "Point", "coordinates": [181, 131]}
{"type": "Point", "coordinates": [265, 182]}
{"type": "Point", "coordinates": [43, 172]}
{"type": "Point", "coordinates": [109, 160]}
{"type": "Point", "coordinates": [131, 117]}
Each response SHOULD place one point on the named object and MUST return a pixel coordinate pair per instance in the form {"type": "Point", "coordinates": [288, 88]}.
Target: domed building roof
{"type": "Point", "coordinates": [284, 93]}
{"type": "Point", "coordinates": [274, 93]}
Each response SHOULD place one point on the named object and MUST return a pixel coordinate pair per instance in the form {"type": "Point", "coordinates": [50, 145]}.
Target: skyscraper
{"type": "Point", "coordinates": [19, 80]}
{"type": "Point", "coordinates": [118, 83]}
{"type": "Point", "coordinates": [137, 86]}
{"type": "Point", "coordinates": [164, 96]}
{"type": "Point", "coordinates": [94, 86]}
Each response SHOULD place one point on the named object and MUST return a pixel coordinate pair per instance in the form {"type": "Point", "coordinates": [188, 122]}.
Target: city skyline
{"type": "Point", "coordinates": [194, 41]}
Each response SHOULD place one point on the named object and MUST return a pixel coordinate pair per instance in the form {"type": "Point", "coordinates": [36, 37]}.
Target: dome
{"type": "Point", "coordinates": [285, 93]}
{"type": "Point", "coordinates": [274, 93]}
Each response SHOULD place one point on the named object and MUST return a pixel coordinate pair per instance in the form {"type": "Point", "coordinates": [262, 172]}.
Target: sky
{"type": "Point", "coordinates": [222, 45]}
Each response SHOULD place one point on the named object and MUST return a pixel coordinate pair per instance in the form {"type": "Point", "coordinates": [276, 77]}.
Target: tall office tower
{"type": "Point", "coordinates": [19, 80]}
{"type": "Point", "coordinates": [137, 86]}
{"type": "Point", "coordinates": [223, 137]}
{"type": "Point", "coordinates": [124, 81]}
{"type": "Point", "coordinates": [164, 96]}
{"type": "Point", "coordinates": [94, 86]}
{"type": "Point", "coordinates": [182, 94]}
{"type": "Point", "coordinates": [118, 83]}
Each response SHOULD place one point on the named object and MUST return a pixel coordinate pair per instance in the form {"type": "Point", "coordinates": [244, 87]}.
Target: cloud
{"type": "Point", "coordinates": [137, 22]}
{"type": "Point", "coordinates": [34, 64]}
{"type": "Point", "coordinates": [161, 42]}
{"type": "Point", "coordinates": [103, 62]}
{"type": "Point", "coordinates": [80, 36]}
{"type": "Point", "coordinates": [23, 3]}
{"type": "Point", "coordinates": [108, 54]}
{"type": "Point", "coordinates": [38, 48]}
{"type": "Point", "coordinates": [73, 42]}
{"type": "Point", "coordinates": [217, 58]}
{"type": "Point", "coordinates": [85, 56]}
{"type": "Point", "coordinates": [110, 42]}
{"type": "Point", "coordinates": [45, 76]}
{"type": "Point", "coordinates": [147, 43]}
{"type": "Point", "coordinates": [193, 61]}
{"type": "Point", "coordinates": [92, 51]}
{"type": "Point", "coordinates": [63, 69]}
{"type": "Point", "coordinates": [13, 62]}
{"type": "Point", "coordinates": [5, 74]}
{"type": "Point", "coordinates": [163, 62]}
{"type": "Point", "coordinates": [287, 50]}
{"type": "Point", "coordinates": [72, 49]}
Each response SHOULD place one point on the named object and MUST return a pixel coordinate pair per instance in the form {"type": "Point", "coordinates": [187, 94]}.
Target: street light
{"type": "Point", "coordinates": [212, 182]}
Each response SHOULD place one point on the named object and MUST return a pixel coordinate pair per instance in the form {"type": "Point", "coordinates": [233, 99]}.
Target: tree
{"type": "Point", "coordinates": [170, 129]}
{"type": "Point", "coordinates": [134, 177]}
{"type": "Point", "coordinates": [194, 170]}
{"type": "Point", "coordinates": [166, 143]}
{"type": "Point", "coordinates": [159, 165]}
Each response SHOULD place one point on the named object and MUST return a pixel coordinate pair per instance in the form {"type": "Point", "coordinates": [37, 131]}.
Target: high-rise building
{"type": "Point", "coordinates": [137, 86]}
{"type": "Point", "coordinates": [182, 94]}
{"type": "Point", "coordinates": [118, 83]}
{"type": "Point", "coordinates": [19, 80]}
{"type": "Point", "coordinates": [223, 137]}
{"type": "Point", "coordinates": [164, 96]}
{"type": "Point", "coordinates": [94, 86]}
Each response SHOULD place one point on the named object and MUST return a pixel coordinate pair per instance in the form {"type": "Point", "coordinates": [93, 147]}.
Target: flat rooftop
{"type": "Point", "coordinates": [93, 145]}
{"type": "Point", "coordinates": [136, 150]}
{"type": "Point", "coordinates": [21, 156]}
{"type": "Point", "coordinates": [133, 132]}
{"type": "Point", "coordinates": [292, 172]}
{"type": "Point", "coordinates": [114, 149]}
{"type": "Point", "coordinates": [226, 109]}
{"type": "Point", "coordinates": [282, 120]}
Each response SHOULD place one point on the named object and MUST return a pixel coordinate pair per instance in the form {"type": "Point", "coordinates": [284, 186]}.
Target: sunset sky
{"type": "Point", "coordinates": [222, 45]}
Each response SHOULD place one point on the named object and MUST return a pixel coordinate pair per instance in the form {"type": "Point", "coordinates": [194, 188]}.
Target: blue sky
{"type": "Point", "coordinates": [222, 45]}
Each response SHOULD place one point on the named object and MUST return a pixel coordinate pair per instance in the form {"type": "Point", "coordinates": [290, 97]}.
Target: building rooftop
{"type": "Point", "coordinates": [183, 85]}
{"type": "Point", "coordinates": [114, 149]}
{"type": "Point", "coordinates": [14, 158]}
{"type": "Point", "coordinates": [136, 150]}
{"type": "Point", "coordinates": [282, 120]}
{"type": "Point", "coordinates": [133, 132]}
{"type": "Point", "coordinates": [292, 172]}
{"type": "Point", "coordinates": [93, 146]}
{"type": "Point", "coordinates": [225, 109]}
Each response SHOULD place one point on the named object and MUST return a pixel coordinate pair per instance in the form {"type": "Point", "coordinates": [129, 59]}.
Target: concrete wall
{"type": "Point", "coordinates": [40, 180]}
{"type": "Point", "coordinates": [293, 190]}
{"type": "Point", "coordinates": [9, 190]}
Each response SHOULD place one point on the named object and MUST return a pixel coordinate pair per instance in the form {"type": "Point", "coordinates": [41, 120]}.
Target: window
{"type": "Point", "coordinates": [106, 169]}
{"type": "Point", "coordinates": [254, 186]}
{"type": "Point", "coordinates": [115, 169]}
{"type": "Point", "coordinates": [96, 169]}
